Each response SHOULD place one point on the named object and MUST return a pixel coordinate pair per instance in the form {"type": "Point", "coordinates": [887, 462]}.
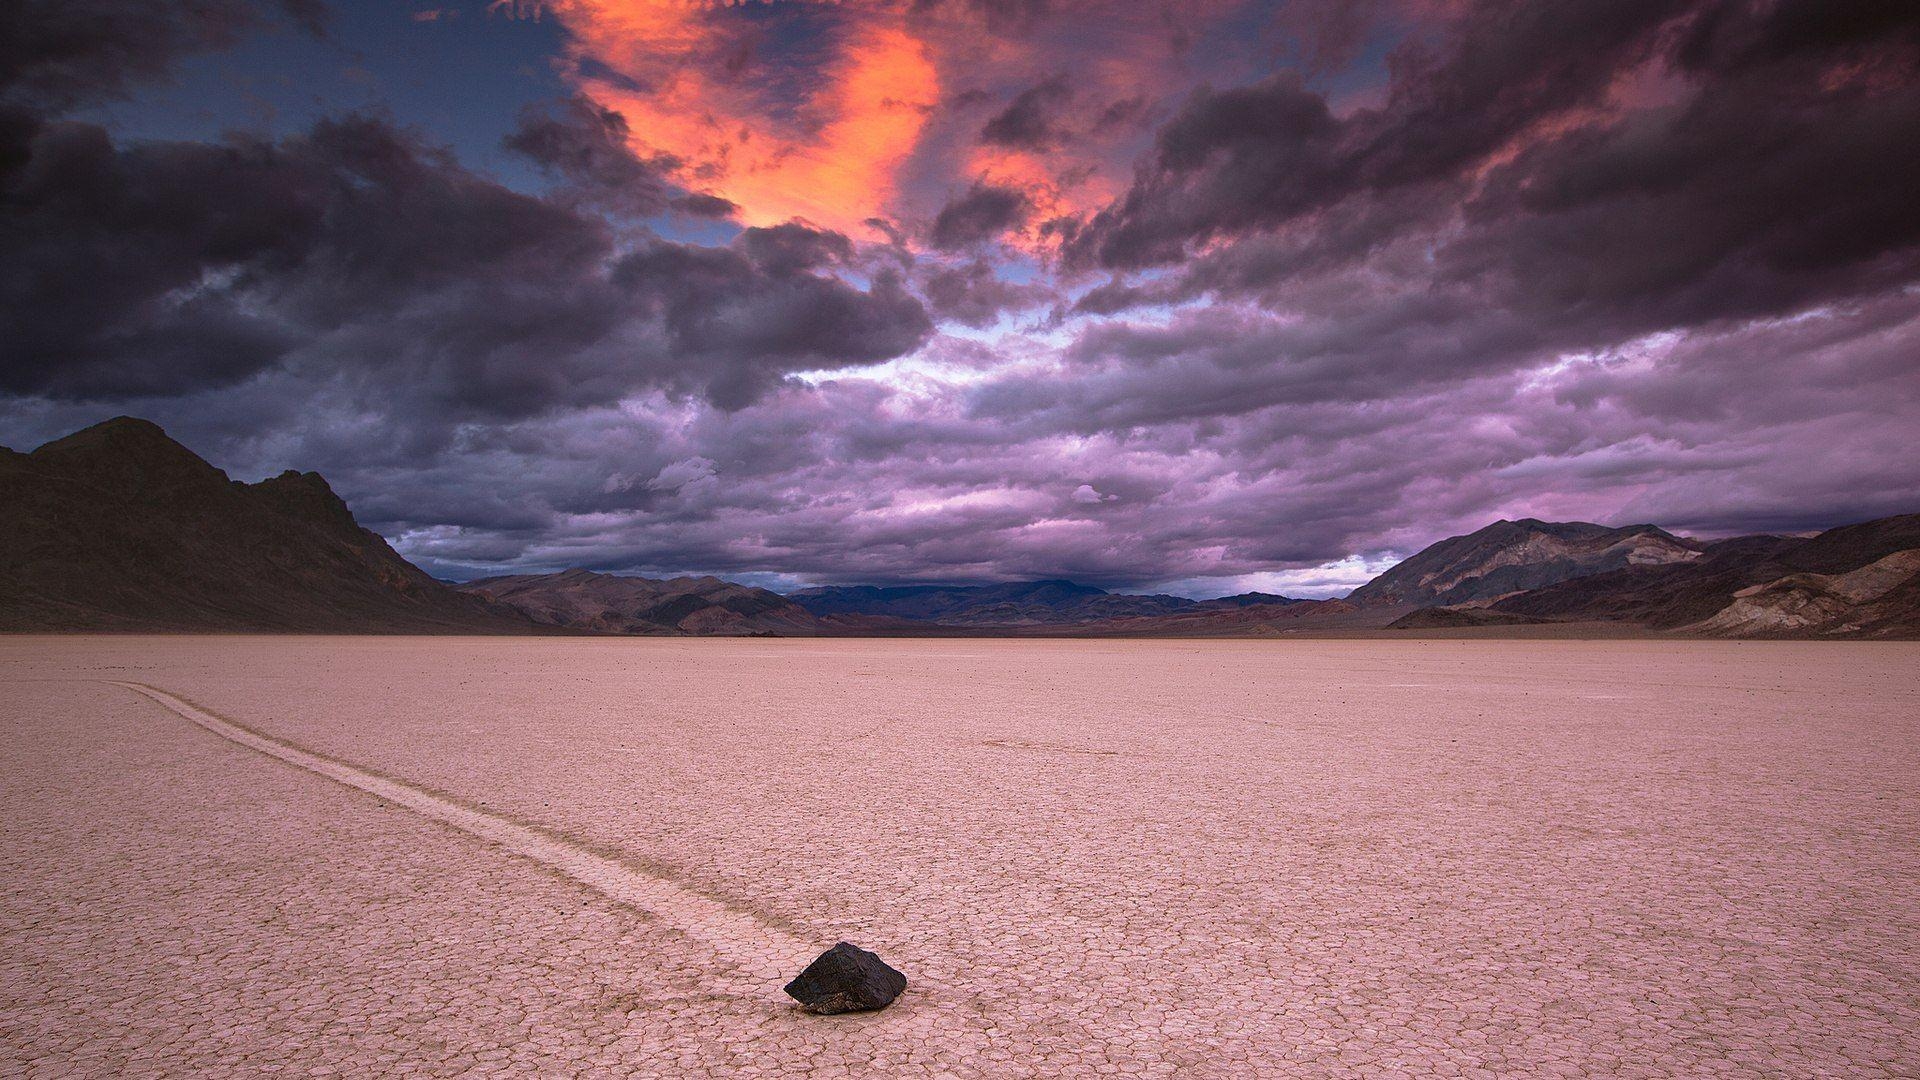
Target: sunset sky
{"type": "Point", "coordinates": [1195, 297]}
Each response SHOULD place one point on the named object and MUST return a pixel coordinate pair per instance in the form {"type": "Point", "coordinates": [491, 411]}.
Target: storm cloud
{"type": "Point", "coordinates": [983, 213]}
{"type": "Point", "coordinates": [170, 268]}
{"type": "Point", "coordinates": [1224, 296]}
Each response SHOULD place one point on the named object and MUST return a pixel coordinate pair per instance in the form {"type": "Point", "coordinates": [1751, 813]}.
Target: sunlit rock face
{"type": "Point", "coordinates": [1882, 597]}
{"type": "Point", "coordinates": [1508, 557]}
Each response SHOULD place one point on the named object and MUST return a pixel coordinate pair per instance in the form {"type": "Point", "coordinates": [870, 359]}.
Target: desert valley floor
{"type": "Point", "coordinates": [228, 856]}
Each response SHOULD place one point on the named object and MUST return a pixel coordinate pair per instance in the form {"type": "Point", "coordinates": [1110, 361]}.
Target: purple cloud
{"type": "Point", "coordinates": [1646, 261]}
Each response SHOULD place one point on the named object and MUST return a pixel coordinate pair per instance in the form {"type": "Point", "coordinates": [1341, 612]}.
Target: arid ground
{"type": "Point", "coordinates": [226, 856]}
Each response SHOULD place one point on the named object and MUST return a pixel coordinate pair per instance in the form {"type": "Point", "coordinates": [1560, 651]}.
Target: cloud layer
{"type": "Point", "coordinates": [1220, 295]}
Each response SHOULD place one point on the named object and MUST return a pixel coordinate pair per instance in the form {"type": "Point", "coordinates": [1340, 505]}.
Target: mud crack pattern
{"type": "Point", "coordinates": [1092, 858]}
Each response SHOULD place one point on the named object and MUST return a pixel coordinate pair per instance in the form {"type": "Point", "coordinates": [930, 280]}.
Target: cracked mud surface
{"type": "Point", "coordinates": [1090, 858]}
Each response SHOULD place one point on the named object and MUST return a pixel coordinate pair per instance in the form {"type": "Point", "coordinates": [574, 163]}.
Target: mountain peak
{"type": "Point", "coordinates": [119, 432]}
{"type": "Point", "coordinates": [128, 454]}
{"type": "Point", "coordinates": [307, 495]}
{"type": "Point", "coordinates": [1511, 556]}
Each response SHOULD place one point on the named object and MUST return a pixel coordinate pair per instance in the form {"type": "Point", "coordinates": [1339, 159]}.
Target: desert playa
{"type": "Point", "coordinates": [227, 856]}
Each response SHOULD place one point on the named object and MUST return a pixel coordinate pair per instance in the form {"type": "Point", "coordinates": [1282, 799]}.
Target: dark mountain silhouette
{"type": "Point", "coordinates": [1509, 557]}
{"type": "Point", "coordinates": [118, 527]}
{"type": "Point", "coordinates": [636, 605]}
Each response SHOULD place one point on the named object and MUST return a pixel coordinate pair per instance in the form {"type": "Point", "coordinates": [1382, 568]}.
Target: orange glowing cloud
{"type": "Point", "coordinates": [824, 145]}
{"type": "Point", "coordinates": [841, 112]}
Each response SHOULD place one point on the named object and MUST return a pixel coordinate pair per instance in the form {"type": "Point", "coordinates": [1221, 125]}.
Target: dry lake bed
{"type": "Point", "coordinates": [234, 856]}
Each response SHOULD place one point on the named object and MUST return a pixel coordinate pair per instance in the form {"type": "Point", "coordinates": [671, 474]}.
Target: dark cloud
{"type": "Point", "coordinates": [53, 54]}
{"type": "Point", "coordinates": [1113, 297]}
{"type": "Point", "coordinates": [587, 146]}
{"type": "Point", "coordinates": [1815, 204]}
{"type": "Point", "coordinates": [1257, 157]}
{"type": "Point", "coordinates": [1775, 88]}
{"type": "Point", "coordinates": [1327, 35]}
{"type": "Point", "coordinates": [973, 294]}
{"type": "Point", "coordinates": [1728, 39]}
{"type": "Point", "coordinates": [167, 267]}
{"type": "Point", "coordinates": [589, 149]}
{"type": "Point", "coordinates": [752, 313]}
{"type": "Point", "coordinates": [1266, 490]}
{"type": "Point", "coordinates": [56, 54]}
{"type": "Point", "coordinates": [1688, 164]}
{"type": "Point", "coordinates": [702, 205]}
{"type": "Point", "coordinates": [786, 249]}
{"type": "Point", "coordinates": [1029, 122]}
{"type": "Point", "coordinates": [983, 213]}
{"type": "Point", "coordinates": [1230, 161]}
{"type": "Point", "coordinates": [1127, 112]}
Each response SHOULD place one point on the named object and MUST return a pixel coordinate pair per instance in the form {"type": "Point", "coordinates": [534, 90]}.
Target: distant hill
{"type": "Point", "coordinates": [1226, 618]}
{"type": "Point", "coordinates": [1510, 557]}
{"type": "Point", "coordinates": [1250, 599]}
{"type": "Point", "coordinates": [118, 527]}
{"type": "Point", "coordinates": [1018, 604]}
{"type": "Point", "coordinates": [622, 604]}
{"type": "Point", "coordinates": [636, 605]}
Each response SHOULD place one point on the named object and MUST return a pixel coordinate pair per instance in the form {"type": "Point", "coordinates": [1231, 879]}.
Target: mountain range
{"type": "Point", "coordinates": [1031, 603]}
{"type": "Point", "coordinates": [622, 604]}
{"type": "Point", "coordinates": [120, 528]}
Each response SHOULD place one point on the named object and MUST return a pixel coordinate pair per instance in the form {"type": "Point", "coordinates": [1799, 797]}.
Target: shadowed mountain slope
{"type": "Point", "coordinates": [118, 527]}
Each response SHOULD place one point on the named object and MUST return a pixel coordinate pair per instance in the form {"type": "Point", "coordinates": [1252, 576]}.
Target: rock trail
{"type": "Point", "coordinates": [759, 952]}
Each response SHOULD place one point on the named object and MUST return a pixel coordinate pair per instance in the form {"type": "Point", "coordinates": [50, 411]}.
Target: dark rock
{"type": "Point", "coordinates": [846, 978]}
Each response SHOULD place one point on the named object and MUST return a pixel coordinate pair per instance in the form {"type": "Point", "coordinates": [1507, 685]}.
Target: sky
{"type": "Point", "coordinates": [1194, 297]}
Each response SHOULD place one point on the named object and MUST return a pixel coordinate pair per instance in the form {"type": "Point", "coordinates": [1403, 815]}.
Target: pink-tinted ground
{"type": "Point", "coordinates": [1140, 858]}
